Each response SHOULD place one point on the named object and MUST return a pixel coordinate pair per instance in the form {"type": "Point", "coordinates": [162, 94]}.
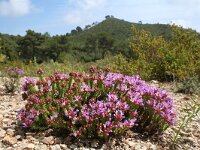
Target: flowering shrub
{"type": "Point", "coordinates": [97, 104]}
{"type": "Point", "coordinates": [12, 77]}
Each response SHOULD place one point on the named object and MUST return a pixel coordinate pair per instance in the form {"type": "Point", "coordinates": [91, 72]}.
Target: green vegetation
{"type": "Point", "coordinates": [154, 51]}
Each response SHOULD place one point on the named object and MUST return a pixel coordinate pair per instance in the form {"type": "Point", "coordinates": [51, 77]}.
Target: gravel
{"type": "Point", "coordinates": [13, 137]}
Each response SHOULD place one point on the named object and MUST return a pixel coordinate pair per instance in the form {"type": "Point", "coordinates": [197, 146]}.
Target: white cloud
{"type": "Point", "coordinates": [15, 7]}
{"type": "Point", "coordinates": [82, 10]}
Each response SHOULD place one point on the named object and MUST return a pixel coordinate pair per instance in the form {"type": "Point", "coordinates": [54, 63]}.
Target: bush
{"type": "Point", "coordinates": [11, 79]}
{"type": "Point", "coordinates": [189, 86]}
{"type": "Point", "coordinates": [98, 104]}
{"type": "Point", "coordinates": [165, 60]}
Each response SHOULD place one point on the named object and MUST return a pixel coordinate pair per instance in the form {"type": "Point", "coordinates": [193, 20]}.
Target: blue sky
{"type": "Point", "coordinates": [61, 16]}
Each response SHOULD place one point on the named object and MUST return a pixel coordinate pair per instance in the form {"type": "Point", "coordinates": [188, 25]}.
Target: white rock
{"type": "Point", "coordinates": [9, 140]}
{"type": "Point", "coordinates": [2, 133]}
{"type": "Point", "coordinates": [7, 121]}
{"type": "Point", "coordinates": [30, 146]}
{"type": "Point", "coordinates": [48, 140]}
{"type": "Point", "coordinates": [41, 147]}
{"type": "Point", "coordinates": [64, 147]}
{"type": "Point", "coordinates": [10, 132]}
{"type": "Point", "coordinates": [73, 146]}
{"type": "Point", "coordinates": [55, 147]}
{"type": "Point", "coordinates": [1, 117]}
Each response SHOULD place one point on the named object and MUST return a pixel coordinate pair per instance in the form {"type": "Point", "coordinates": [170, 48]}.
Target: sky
{"type": "Point", "coordinates": [61, 16]}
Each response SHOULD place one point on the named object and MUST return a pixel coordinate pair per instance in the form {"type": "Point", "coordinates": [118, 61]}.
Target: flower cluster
{"type": "Point", "coordinates": [97, 104]}
{"type": "Point", "coordinates": [14, 71]}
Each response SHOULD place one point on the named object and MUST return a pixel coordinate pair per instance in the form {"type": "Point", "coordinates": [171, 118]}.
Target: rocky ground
{"type": "Point", "coordinates": [14, 138]}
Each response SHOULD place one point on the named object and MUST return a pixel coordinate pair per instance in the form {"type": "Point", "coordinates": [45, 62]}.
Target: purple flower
{"type": "Point", "coordinates": [112, 97]}
{"type": "Point", "coordinates": [26, 82]}
{"type": "Point", "coordinates": [28, 122]}
{"type": "Point", "coordinates": [86, 88]}
{"type": "Point", "coordinates": [55, 115]}
{"type": "Point", "coordinates": [14, 71]}
{"type": "Point", "coordinates": [119, 115]}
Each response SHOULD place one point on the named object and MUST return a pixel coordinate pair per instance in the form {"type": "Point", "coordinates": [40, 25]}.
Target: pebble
{"type": "Point", "coordinates": [41, 147]}
{"type": "Point", "coordinates": [2, 133]}
{"type": "Point", "coordinates": [9, 140]}
{"type": "Point", "coordinates": [48, 140]}
{"type": "Point", "coordinates": [30, 146]}
{"type": "Point", "coordinates": [63, 147]}
{"type": "Point", "coordinates": [1, 117]}
{"type": "Point", "coordinates": [55, 147]}
{"type": "Point", "coordinates": [10, 132]}
{"type": "Point", "coordinates": [13, 138]}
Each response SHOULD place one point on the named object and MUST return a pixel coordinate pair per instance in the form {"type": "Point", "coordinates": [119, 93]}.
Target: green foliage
{"type": "Point", "coordinates": [189, 86]}
{"type": "Point", "coordinates": [8, 47]}
{"type": "Point", "coordinates": [2, 58]}
{"type": "Point", "coordinates": [164, 60]}
{"type": "Point", "coordinates": [156, 51]}
{"type": "Point", "coordinates": [96, 46]}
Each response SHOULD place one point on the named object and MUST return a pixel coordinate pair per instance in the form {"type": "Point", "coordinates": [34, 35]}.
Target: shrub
{"type": "Point", "coordinates": [11, 78]}
{"type": "Point", "coordinates": [165, 60]}
{"type": "Point", "coordinates": [189, 86]}
{"type": "Point", "coordinates": [98, 104]}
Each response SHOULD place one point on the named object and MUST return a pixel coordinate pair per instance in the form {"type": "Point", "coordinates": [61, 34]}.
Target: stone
{"type": "Point", "coordinates": [7, 121]}
{"type": "Point", "coordinates": [18, 137]}
{"type": "Point", "coordinates": [94, 144]}
{"type": "Point", "coordinates": [1, 117]}
{"type": "Point", "coordinates": [2, 133]}
{"type": "Point", "coordinates": [9, 140]}
{"type": "Point", "coordinates": [48, 140]}
{"type": "Point", "coordinates": [73, 146]}
{"type": "Point", "coordinates": [64, 147]}
{"type": "Point", "coordinates": [140, 147]}
{"type": "Point", "coordinates": [10, 132]}
{"type": "Point", "coordinates": [130, 143]}
{"type": "Point", "coordinates": [58, 140]}
{"type": "Point", "coordinates": [154, 82]}
{"type": "Point", "coordinates": [26, 146]}
{"type": "Point", "coordinates": [55, 147]}
{"type": "Point", "coordinates": [150, 146]}
{"type": "Point", "coordinates": [41, 147]}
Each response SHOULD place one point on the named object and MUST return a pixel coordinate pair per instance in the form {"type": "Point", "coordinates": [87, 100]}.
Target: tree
{"type": "Point", "coordinates": [79, 29]}
{"type": "Point", "coordinates": [30, 45]}
{"type": "Point", "coordinates": [8, 47]}
{"type": "Point", "coordinates": [97, 45]}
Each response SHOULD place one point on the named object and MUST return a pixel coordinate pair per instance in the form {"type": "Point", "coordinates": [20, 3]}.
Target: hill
{"type": "Point", "coordinates": [88, 44]}
{"type": "Point", "coordinates": [120, 30]}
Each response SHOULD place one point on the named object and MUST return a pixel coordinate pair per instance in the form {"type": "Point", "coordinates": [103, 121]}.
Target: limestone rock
{"type": "Point", "coordinates": [10, 132]}
{"type": "Point", "coordinates": [48, 140]}
{"type": "Point", "coordinates": [2, 133]}
{"type": "Point", "coordinates": [55, 147]}
{"type": "Point", "coordinates": [9, 140]}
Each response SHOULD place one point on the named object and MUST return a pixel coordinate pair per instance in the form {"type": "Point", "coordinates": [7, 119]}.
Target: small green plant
{"type": "Point", "coordinates": [11, 79]}
{"type": "Point", "coordinates": [189, 86]}
{"type": "Point", "coordinates": [191, 112]}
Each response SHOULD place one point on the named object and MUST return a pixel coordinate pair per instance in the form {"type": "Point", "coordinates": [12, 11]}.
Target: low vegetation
{"type": "Point", "coordinates": [95, 105]}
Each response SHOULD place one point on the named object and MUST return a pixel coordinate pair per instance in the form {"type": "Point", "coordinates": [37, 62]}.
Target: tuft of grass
{"type": "Point", "coordinates": [191, 111]}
